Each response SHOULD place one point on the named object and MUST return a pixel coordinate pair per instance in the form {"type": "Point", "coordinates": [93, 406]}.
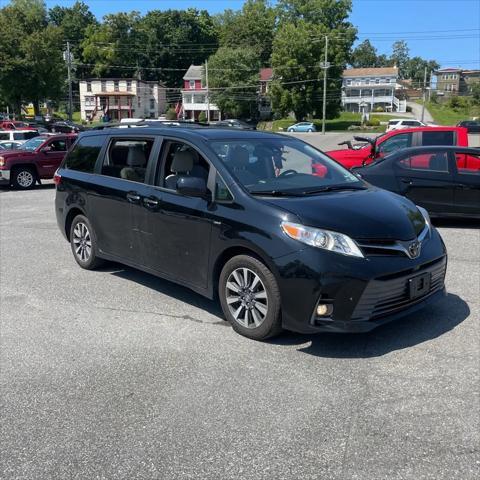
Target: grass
{"type": "Point", "coordinates": [443, 114]}
{"type": "Point", "coordinates": [341, 123]}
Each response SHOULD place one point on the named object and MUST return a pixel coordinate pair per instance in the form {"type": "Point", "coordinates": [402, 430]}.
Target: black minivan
{"type": "Point", "coordinates": [285, 236]}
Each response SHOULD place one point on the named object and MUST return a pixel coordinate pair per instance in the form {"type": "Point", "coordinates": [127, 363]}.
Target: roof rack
{"type": "Point", "coordinates": [152, 123]}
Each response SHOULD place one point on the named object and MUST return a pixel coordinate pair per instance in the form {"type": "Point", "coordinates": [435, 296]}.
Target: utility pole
{"type": "Point", "coordinates": [424, 94]}
{"type": "Point", "coordinates": [208, 93]}
{"type": "Point", "coordinates": [325, 65]}
{"type": "Point", "coordinates": [68, 58]}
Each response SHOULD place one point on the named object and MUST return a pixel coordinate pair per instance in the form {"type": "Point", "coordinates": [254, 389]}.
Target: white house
{"type": "Point", "coordinates": [365, 89]}
{"type": "Point", "coordinates": [119, 98]}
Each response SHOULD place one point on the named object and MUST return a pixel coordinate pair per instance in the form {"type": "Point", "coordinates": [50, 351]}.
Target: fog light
{"type": "Point", "coordinates": [324, 310]}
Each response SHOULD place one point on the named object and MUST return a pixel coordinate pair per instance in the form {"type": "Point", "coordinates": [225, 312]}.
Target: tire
{"type": "Point", "coordinates": [253, 312]}
{"type": "Point", "coordinates": [84, 243]}
{"type": "Point", "coordinates": [310, 130]}
{"type": "Point", "coordinates": [290, 130]}
{"type": "Point", "coordinates": [24, 178]}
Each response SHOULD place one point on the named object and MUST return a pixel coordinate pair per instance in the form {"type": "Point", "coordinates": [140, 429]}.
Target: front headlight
{"type": "Point", "coordinates": [426, 216]}
{"type": "Point", "coordinates": [325, 239]}
{"type": "Point", "coordinates": [2, 161]}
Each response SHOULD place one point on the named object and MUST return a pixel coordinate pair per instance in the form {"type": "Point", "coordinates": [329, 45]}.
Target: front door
{"type": "Point", "coordinates": [50, 156]}
{"type": "Point", "coordinates": [427, 179]}
{"type": "Point", "coordinates": [176, 228]}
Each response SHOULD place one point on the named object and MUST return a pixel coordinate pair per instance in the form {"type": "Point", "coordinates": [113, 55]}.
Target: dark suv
{"type": "Point", "coordinates": [284, 235]}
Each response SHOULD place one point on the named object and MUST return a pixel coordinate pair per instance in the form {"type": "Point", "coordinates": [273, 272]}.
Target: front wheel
{"type": "Point", "coordinates": [290, 130]}
{"type": "Point", "coordinates": [23, 178]}
{"type": "Point", "coordinates": [310, 130]}
{"type": "Point", "coordinates": [250, 298]}
{"type": "Point", "coordinates": [84, 243]}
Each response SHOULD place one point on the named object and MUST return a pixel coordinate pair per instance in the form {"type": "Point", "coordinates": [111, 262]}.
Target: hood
{"type": "Point", "coordinates": [360, 214]}
{"type": "Point", "coordinates": [11, 154]}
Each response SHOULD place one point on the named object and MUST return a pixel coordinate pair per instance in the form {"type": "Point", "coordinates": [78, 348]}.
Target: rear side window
{"type": "Point", "coordinates": [467, 163]}
{"type": "Point", "coordinates": [438, 138]}
{"type": "Point", "coordinates": [128, 159]}
{"type": "Point", "coordinates": [433, 162]}
{"type": "Point", "coordinates": [84, 154]}
{"type": "Point", "coordinates": [4, 136]}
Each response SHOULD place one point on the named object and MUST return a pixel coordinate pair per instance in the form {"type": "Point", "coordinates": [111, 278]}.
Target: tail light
{"type": "Point", "coordinates": [57, 178]}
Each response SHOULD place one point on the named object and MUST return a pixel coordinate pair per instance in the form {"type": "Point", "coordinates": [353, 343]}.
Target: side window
{"type": "Point", "coordinates": [467, 164]}
{"type": "Point", "coordinates": [438, 138]}
{"type": "Point", "coordinates": [84, 154]}
{"type": "Point", "coordinates": [222, 193]}
{"type": "Point", "coordinates": [58, 145]}
{"type": "Point", "coordinates": [127, 158]}
{"type": "Point", "coordinates": [433, 162]}
{"type": "Point", "coordinates": [180, 159]}
{"type": "Point", "coordinates": [4, 136]}
{"type": "Point", "coordinates": [396, 142]}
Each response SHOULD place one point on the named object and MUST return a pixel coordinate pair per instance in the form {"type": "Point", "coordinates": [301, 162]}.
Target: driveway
{"type": "Point", "coordinates": [417, 112]}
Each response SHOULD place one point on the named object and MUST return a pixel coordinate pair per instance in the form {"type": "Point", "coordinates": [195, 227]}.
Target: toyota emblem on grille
{"type": "Point", "coordinates": [414, 249]}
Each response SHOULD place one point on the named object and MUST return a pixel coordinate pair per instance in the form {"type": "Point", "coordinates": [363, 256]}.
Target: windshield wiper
{"type": "Point", "coordinates": [276, 193]}
{"type": "Point", "coordinates": [332, 188]}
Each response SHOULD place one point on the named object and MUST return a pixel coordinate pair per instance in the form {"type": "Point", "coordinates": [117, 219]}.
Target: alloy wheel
{"type": "Point", "coordinates": [25, 179]}
{"type": "Point", "coordinates": [82, 242]}
{"type": "Point", "coordinates": [246, 298]}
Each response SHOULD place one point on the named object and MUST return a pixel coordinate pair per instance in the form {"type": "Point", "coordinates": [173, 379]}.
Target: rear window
{"type": "Point", "coordinates": [84, 154]}
{"type": "Point", "coordinates": [4, 136]}
{"type": "Point", "coordinates": [438, 138]}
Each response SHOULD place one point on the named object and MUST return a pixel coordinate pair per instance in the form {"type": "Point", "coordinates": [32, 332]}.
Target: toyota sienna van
{"type": "Point", "coordinates": [284, 236]}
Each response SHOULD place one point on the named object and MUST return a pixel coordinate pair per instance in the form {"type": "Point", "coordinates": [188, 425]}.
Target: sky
{"type": "Point", "coordinates": [452, 27]}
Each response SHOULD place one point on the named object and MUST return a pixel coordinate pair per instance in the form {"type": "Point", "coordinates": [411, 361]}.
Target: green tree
{"type": "Point", "coordinates": [74, 21]}
{"type": "Point", "coordinates": [400, 57]}
{"type": "Point", "coordinates": [415, 70]}
{"type": "Point", "coordinates": [31, 64]}
{"type": "Point", "coordinates": [233, 80]}
{"type": "Point", "coordinates": [298, 50]}
{"type": "Point", "coordinates": [364, 55]}
{"type": "Point", "coordinates": [253, 26]}
{"type": "Point", "coordinates": [475, 91]}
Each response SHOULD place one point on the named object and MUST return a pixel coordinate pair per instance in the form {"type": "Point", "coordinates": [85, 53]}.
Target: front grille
{"type": "Point", "coordinates": [386, 296]}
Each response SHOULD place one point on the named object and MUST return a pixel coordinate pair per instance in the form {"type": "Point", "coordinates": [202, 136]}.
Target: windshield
{"type": "Point", "coordinates": [33, 143]}
{"type": "Point", "coordinates": [282, 165]}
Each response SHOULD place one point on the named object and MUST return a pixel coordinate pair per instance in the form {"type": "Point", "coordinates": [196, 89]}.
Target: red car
{"type": "Point", "coordinates": [35, 160]}
{"type": "Point", "coordinates": [389, 142]}
{"type": "Point", "coordinates": [13, 125]}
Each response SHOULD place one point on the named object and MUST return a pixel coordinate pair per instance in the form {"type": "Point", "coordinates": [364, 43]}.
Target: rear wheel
{"type": "Point", "coordinates": [250, 298]}
{"type": "Point", "coordinates": [24, 178]}
{"type": "Point", "coordinates": [310, 130]}
{"type": "Point", "coordinates": [84, 244]}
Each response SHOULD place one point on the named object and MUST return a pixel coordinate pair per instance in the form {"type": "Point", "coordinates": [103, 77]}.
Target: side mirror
{"type": "Point", "coordinates": [192, 187]}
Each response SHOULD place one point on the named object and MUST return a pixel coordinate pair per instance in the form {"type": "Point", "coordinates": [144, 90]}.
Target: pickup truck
{"type": "Point", "coordinates": [374, 148]}
{"type": "Point", "coordinates": [37, 159]}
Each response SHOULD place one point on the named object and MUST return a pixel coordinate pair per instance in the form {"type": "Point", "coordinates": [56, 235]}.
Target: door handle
{"type": "Point", "coordinates": [151, 202]}
{"type": "Point", "coordinates": [133, 197]}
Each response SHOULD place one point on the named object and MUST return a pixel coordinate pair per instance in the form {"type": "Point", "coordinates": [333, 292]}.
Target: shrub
{"type": "Point", "coordinates": [373, 122]}
{"type": "Point", "coordinates": [379, 109]}
{"type": "Point", "coordinates": [202, 118]}
{"type": "Point", "coordinates": [454, 102]}
{"type": "Point", "coordinates": [409, 108]}
{"type": "Point", "coordinates": [171, 114]}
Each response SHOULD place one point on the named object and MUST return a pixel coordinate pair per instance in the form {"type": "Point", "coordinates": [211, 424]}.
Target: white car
{"type": "Point", "coordinates": [401, 123]}
{"type": "Point", "coordinates": [20, 136]}
{"type": "Point", "coordinates": [9, 145]}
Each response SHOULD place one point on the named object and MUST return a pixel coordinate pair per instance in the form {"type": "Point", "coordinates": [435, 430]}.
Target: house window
{"type": "Point", "coordinates": [198, 98]}
{"type": "Point", "coordinates": [377, 80]}
{"type": "Point", "coordinates": [187, 98]}
{"type": "Point", "coordinates": [116, 86]}
{"type": "Point", "coordinates": [129, 85]}
{"type": "Point", "coordinates": [349, 82]}
{"type": "Point", "coordinates": [191, 84]}
{"type": "Point", "coordinates": [139, 102]}
{"type": "Point", "coordinates": [152, 104]}
{"type": "Point", "coordinates": [387, 80]}
{"type": "Point", "coordinates": [104, 86]}
{"type": "Point", "coordinates": [89, 86]}
{"type": "Point", "coordinates": [367, 81]}
{"type": "Point", "coordinates": [151, 89]}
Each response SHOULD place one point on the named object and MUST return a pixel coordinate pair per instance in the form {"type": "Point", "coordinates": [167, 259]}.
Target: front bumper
{"type": "Point", "coordinates": [364, 292]}
{"type": "Point", "coordinates": [4, 177]}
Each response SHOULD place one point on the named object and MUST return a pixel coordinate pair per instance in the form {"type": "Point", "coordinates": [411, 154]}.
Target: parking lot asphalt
{"type": "Point", "coordinates": [115, 374]}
